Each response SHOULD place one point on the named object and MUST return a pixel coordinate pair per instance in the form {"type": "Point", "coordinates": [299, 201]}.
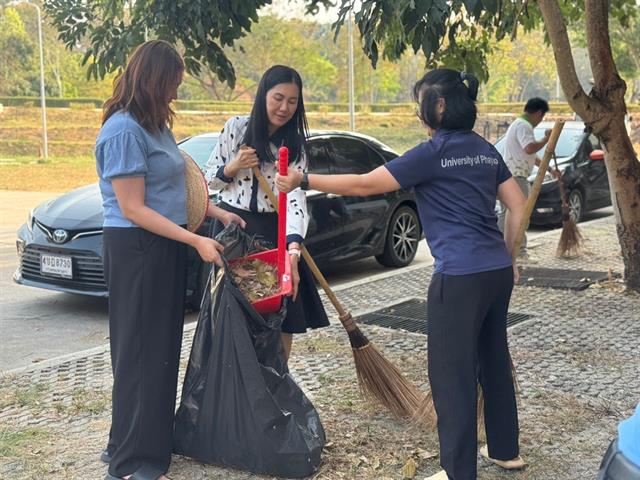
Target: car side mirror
{"type": "Point", "coordinates": [596, 155]}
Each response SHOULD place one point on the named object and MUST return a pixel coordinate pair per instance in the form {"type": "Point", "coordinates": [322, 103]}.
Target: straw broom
{"type": "Point", "coordinates": [570, 239]}
{"type": "Point", "coordinates": [426, 414]}
{"type": "Point", "coordinates": [379, 379]}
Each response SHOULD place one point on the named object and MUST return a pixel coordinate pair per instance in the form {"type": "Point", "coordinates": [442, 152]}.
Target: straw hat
{"type": "Point", "coordinates": [197, 193]}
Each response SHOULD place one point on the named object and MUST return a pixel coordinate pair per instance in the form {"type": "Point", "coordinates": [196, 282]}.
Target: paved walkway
{"type": "Point", "coordinates": [576, 356]}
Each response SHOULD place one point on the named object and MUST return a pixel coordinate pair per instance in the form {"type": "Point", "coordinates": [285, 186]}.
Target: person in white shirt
{"type": "Point", "coordinates": [519, 151]}
{"type": "Point", "coordinates": [277, 118]}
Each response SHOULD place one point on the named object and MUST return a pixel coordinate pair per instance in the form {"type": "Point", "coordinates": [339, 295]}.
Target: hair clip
{"type": "Point", "coordinates": [463, 76]}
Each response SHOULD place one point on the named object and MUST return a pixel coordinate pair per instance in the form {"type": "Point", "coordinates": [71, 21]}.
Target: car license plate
{"type": "Point", "coordinates": [56, 265]}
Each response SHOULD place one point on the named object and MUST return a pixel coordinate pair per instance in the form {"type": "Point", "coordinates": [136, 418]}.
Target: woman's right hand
{"type": "Point", "coordinates": [246, 158]}
{"type": "Point", "coordinates": [290, 181]}
{"type": "Point", "coordinates": [516, 274]}
{"type": "Point", "coordinates": [208, 249]}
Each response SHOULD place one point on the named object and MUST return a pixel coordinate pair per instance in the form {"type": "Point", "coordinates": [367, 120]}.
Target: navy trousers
{"type": "Point", "coordinates": [467, 343]}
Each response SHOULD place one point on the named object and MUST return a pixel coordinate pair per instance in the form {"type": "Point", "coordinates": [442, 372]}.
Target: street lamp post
{"type": "Point", "coordinates": [43, 106]}
{"type": "Point", "coordinates": [352, 119]}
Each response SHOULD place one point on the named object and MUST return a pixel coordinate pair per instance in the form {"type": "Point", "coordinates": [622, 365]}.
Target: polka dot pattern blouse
{"type": "Point", "coordinates": [238, 191]}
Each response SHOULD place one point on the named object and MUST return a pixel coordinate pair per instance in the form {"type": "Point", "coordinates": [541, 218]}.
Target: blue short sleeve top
{"type": "Point", "coordinates": [125, 149]}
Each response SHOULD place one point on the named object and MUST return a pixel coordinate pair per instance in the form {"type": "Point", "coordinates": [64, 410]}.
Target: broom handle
{"type": "Point", "coordinates": [537, 185]}
{"type": "Point", "coordinates": [342, 313]}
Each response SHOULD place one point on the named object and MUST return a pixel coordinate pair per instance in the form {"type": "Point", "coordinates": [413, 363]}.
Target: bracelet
{"type": "Point", "coordinates": [295, 251]}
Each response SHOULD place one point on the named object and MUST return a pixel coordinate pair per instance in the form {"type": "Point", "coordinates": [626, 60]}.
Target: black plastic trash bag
{"type": "Point", "coordinates": [240, 408]}
{"type": "Point", "coordinates": [238, 243]}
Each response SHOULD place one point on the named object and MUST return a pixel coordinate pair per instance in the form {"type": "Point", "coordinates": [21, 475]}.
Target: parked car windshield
{"type": "Point", "coordinates": [568, 142]}
{"type": "Point", "coordinates": [199, 148]}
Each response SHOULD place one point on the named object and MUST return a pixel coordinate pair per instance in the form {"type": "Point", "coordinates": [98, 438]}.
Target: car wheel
{"type": "Point", "coordinates": [403, 236]}
{"type": "Point", "coordinates": [194, 302]}
{"type": "Point", "coordinates": [575, 205]}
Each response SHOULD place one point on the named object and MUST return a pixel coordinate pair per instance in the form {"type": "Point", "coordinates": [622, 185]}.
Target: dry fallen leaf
{"type": "Point", "coordinates": [425, 454]}
{"type": "Point", "coordinates": [255, 279]}
{"type": "Point", "coordinates": [241, 272]}
{"type": "Point", "coordinates": [409, 469]}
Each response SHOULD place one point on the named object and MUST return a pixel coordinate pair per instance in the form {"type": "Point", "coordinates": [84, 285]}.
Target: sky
{"type": "Point", "coordinates": [296, 9]}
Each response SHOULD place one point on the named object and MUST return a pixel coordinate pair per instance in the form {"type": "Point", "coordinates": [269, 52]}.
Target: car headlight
{"type": "Point", "coordinates": [548, 178]}
{"type": "Point", "coordinates": [20, 247]}
{"type": "Point", "coordinates": [30, 221]}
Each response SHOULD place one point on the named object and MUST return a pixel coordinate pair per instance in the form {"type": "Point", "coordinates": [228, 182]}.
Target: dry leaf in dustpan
{"type": "Point", "coordinates": [266, 274]}
{"type": "Point", "coordinates": [255, 279]}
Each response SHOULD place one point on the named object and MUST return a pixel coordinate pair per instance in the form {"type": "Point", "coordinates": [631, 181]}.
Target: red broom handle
{"type": "Point", "coordinates": [283, 163]}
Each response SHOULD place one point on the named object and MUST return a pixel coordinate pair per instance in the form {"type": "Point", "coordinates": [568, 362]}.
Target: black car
{"type": "Point", "coordinates": [585, 178]}
{"type": "Point", "coordinates": [60, 246]}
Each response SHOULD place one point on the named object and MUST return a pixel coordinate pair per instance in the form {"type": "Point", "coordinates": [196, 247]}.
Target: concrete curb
{"type": "Point", "coordinates": [55, 361]}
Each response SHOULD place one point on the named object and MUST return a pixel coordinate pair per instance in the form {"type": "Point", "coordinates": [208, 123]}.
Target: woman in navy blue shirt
{"type": "Point", "coordinates": [456, 176]}
{"type": "Point", "coordinates": [142, 182]}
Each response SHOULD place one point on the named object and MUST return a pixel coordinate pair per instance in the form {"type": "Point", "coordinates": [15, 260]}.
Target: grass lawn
{"type": "Point", "coordinates": [72, 133]}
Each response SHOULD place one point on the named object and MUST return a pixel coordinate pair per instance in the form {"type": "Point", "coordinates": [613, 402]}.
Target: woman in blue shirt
{"type": "Point", "coordinates": [142, 183]}
{"type": "Point", "coordinates": [456, 177]}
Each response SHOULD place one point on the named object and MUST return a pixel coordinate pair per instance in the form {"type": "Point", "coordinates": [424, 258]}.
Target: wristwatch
{"type": "Point", "coordinates": [304, 182]}
{"type": "Point", "coordinates": [295, 251]}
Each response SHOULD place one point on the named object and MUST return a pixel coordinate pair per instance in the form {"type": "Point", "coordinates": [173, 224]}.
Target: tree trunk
{"type": "Point", "coordinates": [58, 77]}
{"type": "Point", "coordinates": [523, 90]}
{"type": "Point", "coordinates": [624, 179]}
{"type": "Point", "coordinates": [603, 111]}
{"type": "Point", "coordinates": [635, 91]}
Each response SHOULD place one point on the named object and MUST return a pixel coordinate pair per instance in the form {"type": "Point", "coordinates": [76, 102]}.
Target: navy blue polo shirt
{"type": "Point", "coordinates": [455, 176]}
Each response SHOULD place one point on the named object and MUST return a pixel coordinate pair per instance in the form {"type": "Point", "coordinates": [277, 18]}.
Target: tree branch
{"type": "Point", "coordinates": [557, 30]}
{"type": "Point", "coordinates": [237, 94]}
{"type": "Point", "coordinates": [603, 67]}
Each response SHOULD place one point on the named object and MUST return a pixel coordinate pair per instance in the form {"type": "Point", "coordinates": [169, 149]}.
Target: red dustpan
{"type": "Point", "coordinates": [279, 256]}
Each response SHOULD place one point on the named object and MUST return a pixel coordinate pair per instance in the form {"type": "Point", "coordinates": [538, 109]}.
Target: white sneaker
{"type": "Point", "coordinates": [513, 464]}
{"type": "Point", "coordinates": [441, 475]}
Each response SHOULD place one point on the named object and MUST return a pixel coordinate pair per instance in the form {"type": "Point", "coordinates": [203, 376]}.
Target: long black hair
{"type": "Point", "coordinates": [460, 110]}
{"type": "Point", "coordinates": [293, 134]}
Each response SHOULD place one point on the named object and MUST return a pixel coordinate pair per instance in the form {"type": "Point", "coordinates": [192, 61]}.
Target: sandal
{"type": "Point", "coordinates": [441, 475]}
{"type": "Point", "coordinates": [513, 464]}
{"type": "Point", "coordinates": [145, 472]}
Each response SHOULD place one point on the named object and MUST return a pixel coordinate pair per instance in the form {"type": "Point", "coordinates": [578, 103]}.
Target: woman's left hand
{"type": "Point", "coordinates": [225, 217]}
{"type": "Point", "coordinates": [295, 275]}
{"type": "Point", "coordinates": [232, 217]}
{"type": "Point", "coordinates": [286, 183]}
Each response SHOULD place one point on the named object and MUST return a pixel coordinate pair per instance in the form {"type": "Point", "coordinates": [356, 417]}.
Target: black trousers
{"type": "Point", "coordinates": [146, 277]}
{"type": "Point", "coordinates": [467, 342]}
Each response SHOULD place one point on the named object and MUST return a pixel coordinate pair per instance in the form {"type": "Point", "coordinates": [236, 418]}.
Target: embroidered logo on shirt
{"type": "Point", "coordinates": [468, 161]}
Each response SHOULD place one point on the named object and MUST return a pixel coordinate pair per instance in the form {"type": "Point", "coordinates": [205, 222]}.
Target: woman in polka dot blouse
{"type": "Point", "coordinates": [277, 118]}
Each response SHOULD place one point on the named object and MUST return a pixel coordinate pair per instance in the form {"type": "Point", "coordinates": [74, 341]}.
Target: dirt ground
{"type": "Point", "coordinates": [364, 442]}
